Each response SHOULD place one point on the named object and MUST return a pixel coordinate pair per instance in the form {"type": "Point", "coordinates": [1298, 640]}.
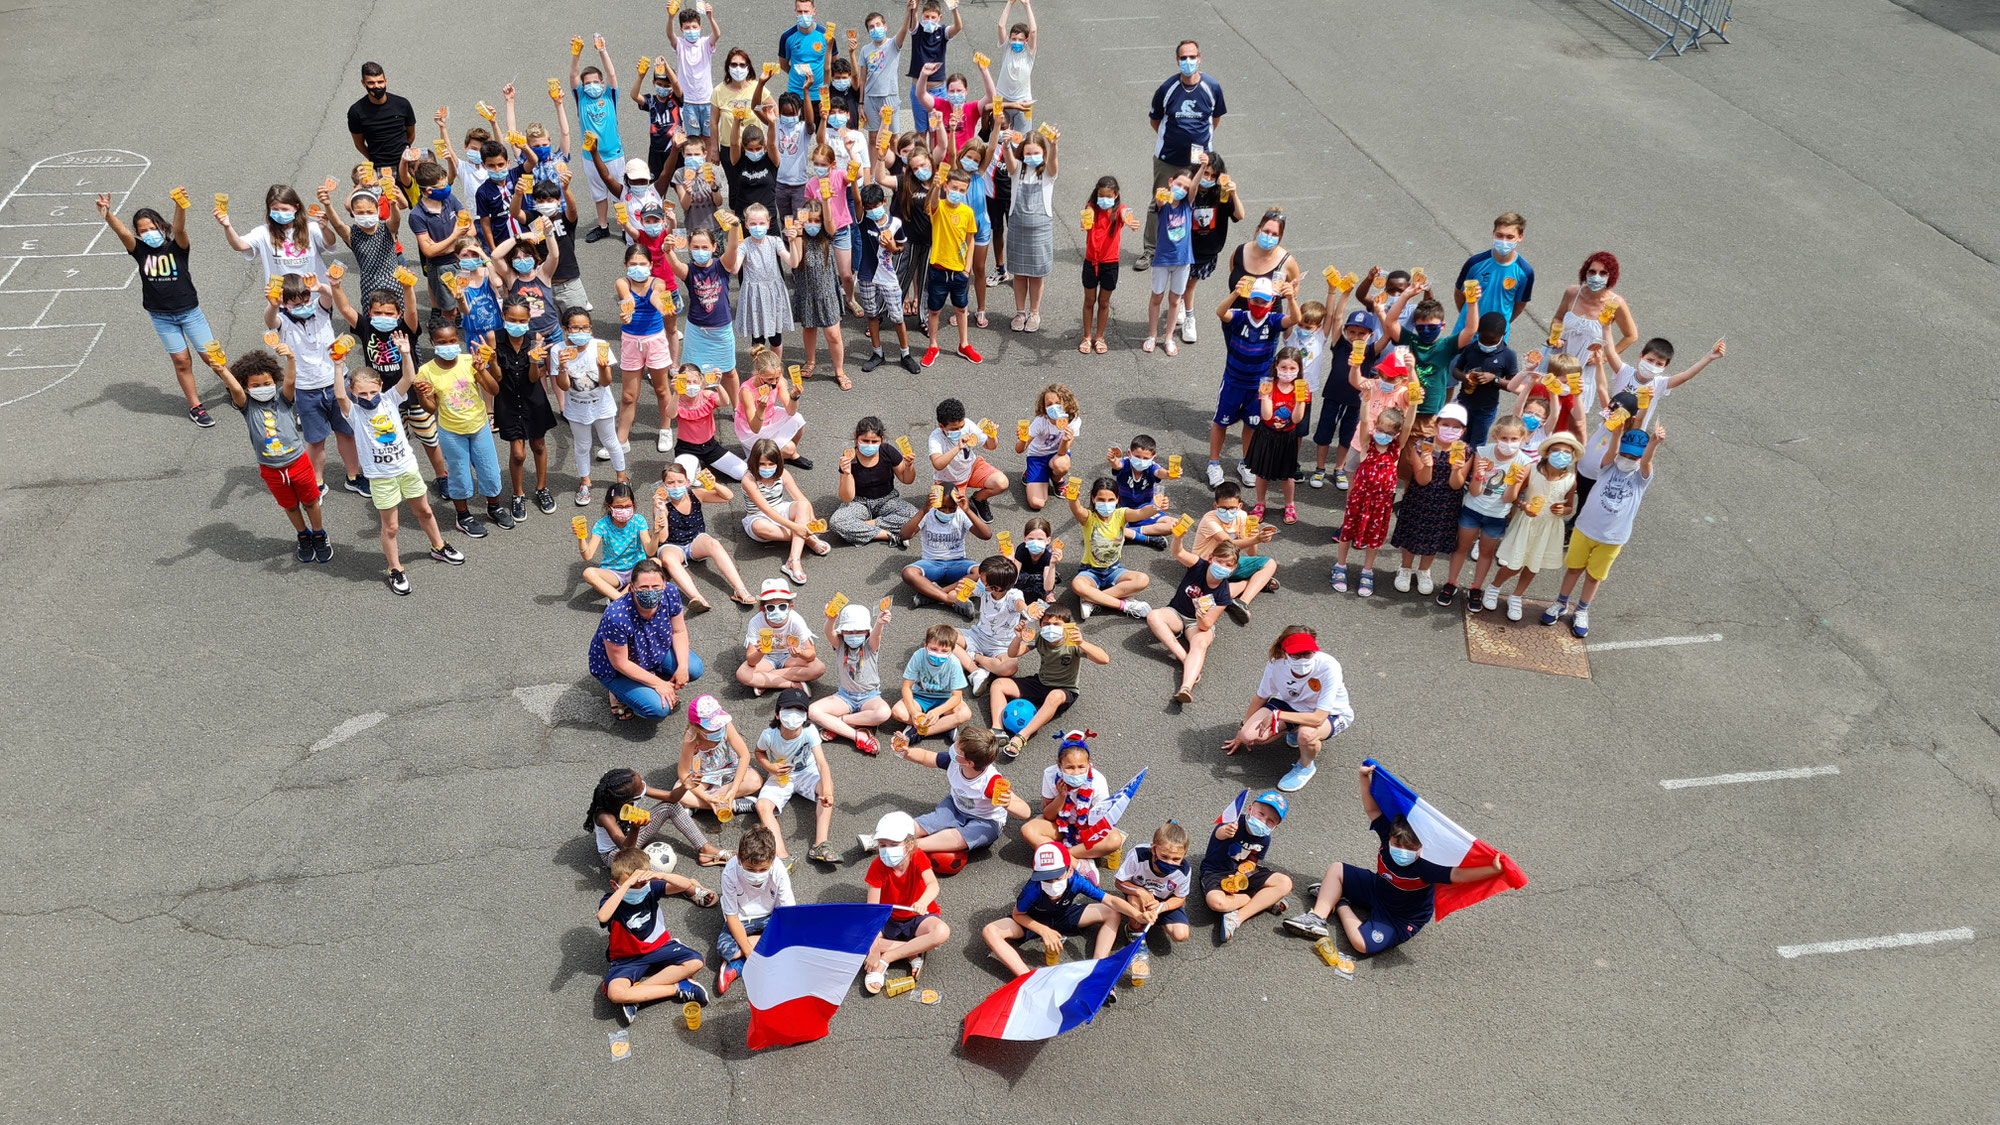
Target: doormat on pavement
{"type": "Point", "coordinates": [1525, 644]}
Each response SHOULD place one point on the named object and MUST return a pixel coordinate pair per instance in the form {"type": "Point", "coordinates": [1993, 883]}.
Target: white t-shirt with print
{"type": "Point", "coordinates": [583, 399]}
{"type": "Point", "coordinates": [794, 627]}
{"type": "Point", "coordinates": [998, 618]}
{"type": "Point", "coordinates": [745, 901]}
{"type": "Point", "coordinates": [277, 261]}
{"type": "Point", "coordinates": [1045, 436]}
{"type": "Point", "coordinates": [1322, 688]}
{"type": "Point", "coordinates": [1627, 379]}
{"type": "Point", "coordinates": [378, 436]}
{"type": "Point", "coordinates": [959, 469]}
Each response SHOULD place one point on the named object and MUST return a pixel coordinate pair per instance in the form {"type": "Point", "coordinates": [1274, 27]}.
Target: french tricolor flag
{"type": "Point", "coordinates": [802, 967]}
{"type": "Point", "coordinates": [1445, 843]}
{"type": "Point", "coordinates": [1048, 1002]}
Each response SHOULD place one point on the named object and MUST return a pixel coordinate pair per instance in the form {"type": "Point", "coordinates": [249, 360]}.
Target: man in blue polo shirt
{"type": "Point", "coordinates": [804, 45]}
{"type": "Point", "coordinates": [1506, 280]}
{"type": "Point", "coordinates": [1186, 109]}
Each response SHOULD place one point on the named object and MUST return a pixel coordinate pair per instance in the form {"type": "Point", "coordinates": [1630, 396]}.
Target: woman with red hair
{"type": "Point", "coordinates": [1583, 304]}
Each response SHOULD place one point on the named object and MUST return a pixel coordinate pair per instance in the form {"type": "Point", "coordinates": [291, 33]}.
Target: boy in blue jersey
{"type": "Point", "coordinates": [1234, 881]}
{"type": "Point", "coordinates": [1252, 335]}
{"type": "Point", "coordinates": [1056, 904]}
{"type": "Point", "coordinates": [647, 964]}
{"type": "Point", "coordinates": [1506, 280]}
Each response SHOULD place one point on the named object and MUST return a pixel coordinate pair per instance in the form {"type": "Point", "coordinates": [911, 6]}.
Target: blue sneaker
{"type": "Point", "coordinates": [1295, 778]}
{"type": "Point", "coordinates": [1292, 736]}
{"type": "Point", "coordinates": [692, 990]}
{"type": "Point", "coordinates": [731, 969]}
{"type": "Point", "coordinates": [1554, 613]}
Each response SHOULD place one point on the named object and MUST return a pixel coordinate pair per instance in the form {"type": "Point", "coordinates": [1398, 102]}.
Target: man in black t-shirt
{"type": "Point", "coordinates": [383, 124]}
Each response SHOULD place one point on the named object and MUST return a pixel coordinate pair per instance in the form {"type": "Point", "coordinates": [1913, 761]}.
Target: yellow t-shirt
{"type": "Point", "coordinates": [460, 409]}
{"type": "Point", "coordinates": [727, 101]}
{"type": "Point", "coordinates": [952, 228]}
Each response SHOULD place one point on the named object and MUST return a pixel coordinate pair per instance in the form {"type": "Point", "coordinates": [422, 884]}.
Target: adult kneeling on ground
{"type": "Point", "coordinates": [640, 653]}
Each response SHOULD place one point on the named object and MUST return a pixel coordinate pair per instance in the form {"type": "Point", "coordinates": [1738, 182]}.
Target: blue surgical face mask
{"type": "Point", "coordinates": [153, 238]}
{"type": "Point", "coordinates": [937, 659]}
{"type": "Point", "coordinates": [691, 34]}
{"type": "Point", "coordinates": [694, 161]}
{"type": "Point", "coordinates": [969, 164]}
{"type": "Point", "coordinates": [1074, 780]}
{"type": "Point", "coordinates": [929, 26]}
{"type": "Point", "coordinates": [821, 171]}
{"type": "Point", "coordinates": [524, 265]}
{"type": "Point", "coordinates": [651, 230]}
{"type": "Point", "coordinates": [651, 598]}
{"type": "Point", "coordinates": [754, 153]}
{"type": "Point", "coordinates": [1018, 45]}
{"type": "Point", "coordinates": [1266, 240]}
{"type": "Point", "coordinates": [838, 121]}
{"type": "Point", "coordinates": [843, 85]}
{"type": "Point", "coordinates": [301, 312]}
{"type": "Point", "coordinates": [1179, 193]}
{"type": "Point", "coordinates": [767, 471]}
{"type": "Point", "coordinates": [878, 34]}
{"type": "Point", "coordinates": [923, 173]}
{"type": "Point", "coordinates": [1139, 464]}
{"type": "Point", "coordinates": [677, 492]}
{"type": "Point", "coordinates": [1561, 459]}
{"type": "Point", "coordinates": [1532, 423]}
{"type": "Point", "coordinates": [1596, 283]}
{"type": "Point", "coordinates": [877, 214]}
{"type": "Point", "coordinates": [1034, 160]}
{"type": "Point", "coordinates": [868, 448]}
{"type": "Point", "coordinates": [496, 174]}
{"type": "Point", "coordinates": [1401, 857]}
{"type": "Point", "coordinates": [812, 228]}
{"type": "Point", "coordinates": [1228, 515]}
{"type": "Point", "coordinates": [578, 338]}
{"type": "Point", "coordinates": [1256, 826]}
{"type": "Point", "coordinates": [1486, 347]}
{"type": "Point", "coordinates": [382, 323]}
{"type": "Point", "coordinates": [1106, 202]}
{"type": "Point", "coordinates": [638, 272]}
{"type": "Point", "coordinates": [283, 218]}
{"type": "Point", "coordinates": [805, 21]}
{"type": "Point", "coordinates": [515, 328]}
{"type": "Point", "coordinates": [1382, 438]}
{"type": "Point", "coordinates": [1105, 508]}
{"type": "Point", "coordinates": [786, 121]}
{"type": "Point", "coordinates": [1220, 573]}
{"type": "Point", "coordinates": [758, 230]}
{"type": "Point", "coordinates": [955, 196]}
{"type": "Point", "coordinates": [1190, 66]}
{"type": "Point", "coordinates": [700, 257]}
{"type": "Point", "coordinates": [446, 353]}
{"type": "Point", "coordinates": [469, 265]}
{"type": "Point", "coordinates": [1428, 333]}
{"type": "Point", "coordinates": [1056, 412]}
{"type": "Point", "coordinates": [1036, 546]}
{"type": "Point", "coordinates": [1504, 245]}
{"type": "Point", "coordinates": [593, 89]}
{"type": "Point", "coordinates": [1051, 633]}
{"type": "Point", "coordinates": [637, 895]}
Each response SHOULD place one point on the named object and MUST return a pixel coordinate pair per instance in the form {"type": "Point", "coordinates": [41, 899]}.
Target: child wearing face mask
{"type": "Point", "coordinates": [1102, 580]}
{"type": "Point", "coordinates": [644, 344]}
{"type": "Point", "coordinates": [974, 812]}
{"type": "Point", "coordinates": [794, 763]}
{"type": "Point", "coordinates": [1654, 356]}
{"type": "Point", "coordinates": [659, 94]}
{"type": "Point", "coordinates": [856, 642]}
{"type": "Point", "coordinates": [1031, 217]}
{"type": "Point", "coordinates": [453, 385]}
{"type": "Point", "coordinates": [1282, 417]}
{"type": "Point", "coordinates": [372, 232]}
{"type": "Point", "coordinates": [266, 404]}
{"type": "Point", "coordinates": [714, 769]}
{"type": "Point", "coordinates": [551, 204]}
{"type": "Point", "coordinates": [1482, 371]}
{"type": "Point", "coordinates": [1301, 697]}
{"type": "Point", "coordinates": [378, 323]}
{"type": "Point", "coordinates": [492, 200]}
{"type": "Point", "coordinates": [1224, 524]}
{"type": "Point", "coordinates": [684, 536]}
{"type": "Point", "coordinates": [816, 287]}
{"type": "Point", "coordinates": [753, 176]}
{"type": "Point", "coordinates": [1427, 518]}
{"type": "Point", "coordinates": [789, 142]}
{"type": "Point", "coordinates": [998, 611]}
{"type": "Point", "coordinates": [708, 344]}
{"type": "Point", "coordinates": [978, 161]}
{"type": "Point", "coordinates": [477, 308]}
{"type": "Point", "coordinates": [1052, 690]}
{"type": "Point", "coordinates": [933, 691]}
{"type": "Point", "coordinates": [521, 405]}
{"type": "Point", "coordinates": [623, 535]}
{"type": "Point", "coordinates": [391, 468]}
{"type": "Point", "coordinates": [1057, 903]}
{"type": "Point", "coordinates": [287, 242]}
{"type": "Point", "coordinates": [303, 320]}
{"type": "Point", "coordinates": [695, 189]}
{"type": "Point", "coordinates": [793, 659]}
{"type": "Point", "coordinates": [1173, 263]}
{"type": "Point", "coordinates": [1137, 473]}
{"type": "Point", "coordinates": [527, 267]}
{"type": "Point", "coordinates": [775, 510]}
{"type": "Point", "coordinates": [652, 230]}
{"type": "Point", "coordinates": [647, 964]}
{"type": "Point", "coordinates": [1497, 475]}
{"type": "Point", "coordinates": [1107, 220]}
{"type": "Point", "coordinates": [621, 787]}
{"type": "Point", "coordinates": [1053, 427]}
{"type": "Point", "coordinates": [1379, 389]}
{"type": "Point", "coordinates": [1397, 897]}
{"type": "Point", "coordinates": [766, 409]}
{"type": "Point", "coordinates": [754, 886]}
{"type": "Point", "coordinates": [1186, 624]}
{"type": "Point", "coordinates": [1075, 805]}
{"type": "Point", "coordinates": [1604, 525]}
{"type": "Point", "coordinates": [878, 244]}
{"type": "Point", "coordinates": [1534, 541]}
{"type": "Point", "coordinates": [763, 305]}
{"type": "Point", "coordinates": [1420, 328]}
{"type": "Point", "coordinates": [900, 876]}
{"type": "Point", "coordinates": [941, 531]}
{"type": "Point", "coordinates": [580, 366]}
{"type": "Point", "coordinates": [1036, 555]}
{"type": "Point", "coordinates": [1156, 881]}
{"type": "Point", "coordinates": [1251, 336]}
{"type": "Point", "coordinates": [1235, 883]}
{"type": "Point", "coordinates": [1371, 499]}
{"type": "Point", "coordinates": [1341, 403]}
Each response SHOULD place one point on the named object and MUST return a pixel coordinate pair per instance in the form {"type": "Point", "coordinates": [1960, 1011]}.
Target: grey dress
{"type": "Point", "coordinates": [763, 308]}
{"type": "Point", "coordinates": [816, 287]}
{"type": "Point", "coordinates": [1030, 231]}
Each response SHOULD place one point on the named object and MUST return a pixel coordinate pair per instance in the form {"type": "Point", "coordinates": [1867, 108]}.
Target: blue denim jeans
{"type": "Point", "coordinates": [467, 454]}
{"type": "Point", "coordinates": [179, 330]}
{"type": "Point", "coordinates": [643, 699]}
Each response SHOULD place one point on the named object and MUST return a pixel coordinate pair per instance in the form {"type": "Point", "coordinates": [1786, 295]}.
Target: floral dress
{"type": "Point", "coordinates": [816, 287]}
{"type": "Point", "coordinates": [1427, 520]}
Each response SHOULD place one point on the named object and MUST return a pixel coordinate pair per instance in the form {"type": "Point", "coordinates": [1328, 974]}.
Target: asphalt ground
{"type": "Point", "coordinates": [286, 846]}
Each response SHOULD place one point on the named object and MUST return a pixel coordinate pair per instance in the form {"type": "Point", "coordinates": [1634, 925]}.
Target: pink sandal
{"type": "Point", "coordinates": [1291, 513]}
{"type": "Point", "coordinates": [1258, 510]}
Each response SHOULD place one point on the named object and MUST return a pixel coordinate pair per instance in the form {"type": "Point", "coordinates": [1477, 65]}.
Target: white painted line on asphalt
{"type": "Point", "coordinates": [1892, 941]}
{"type": "Point", "coordinates": [1657, 642]}
{"type": "Point", "coordinates": [1740, 778]}
{"type": "Point", "coordinates": [348, 730]}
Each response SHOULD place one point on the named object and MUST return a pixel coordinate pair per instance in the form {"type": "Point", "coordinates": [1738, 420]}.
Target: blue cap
{"type": "Point", "coordinates": [1634, 443]}
{"type": "Point", "coordinates": [1363, 318]}
{"type": "Point", "coordinates": [1275, 800]}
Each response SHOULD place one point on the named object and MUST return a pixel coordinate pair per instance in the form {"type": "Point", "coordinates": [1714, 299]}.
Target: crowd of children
{"type": "Point", "coordinates": [784, 197]}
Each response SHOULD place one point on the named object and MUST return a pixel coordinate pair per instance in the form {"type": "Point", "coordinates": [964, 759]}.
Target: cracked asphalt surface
{"type": "Point", "coordinates": [231, 899]}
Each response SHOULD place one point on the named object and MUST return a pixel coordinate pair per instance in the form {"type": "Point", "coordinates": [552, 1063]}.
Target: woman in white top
{"type": "Point", "coordinates": [1583, 303]}
{"type": "Point", "coordinates": [287, 241]}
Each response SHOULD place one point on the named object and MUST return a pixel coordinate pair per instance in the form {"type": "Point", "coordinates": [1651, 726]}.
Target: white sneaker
{"type": "Point", "coordinates": [663, 443]}
{"type": "Point", "coordinates": [1475, 554]}
{"type": "Point", "coordinates": [1424, 583]}
{"type": "Point", "coordinates": [603, 453]}
{"type": "Point", "coordinates": [1087, 609]}
{"type": "Point", "coordinates": [1244, 474]}
{"type": "Point", "coordinates": [1133, 607]}
{"type": "Point", "coordinates": [1402, 579]}
{"type": "Point", "coordinates": [978, 679]}
{"type": "Point", "coordinates": [1513, 607]}
{"type": "Point", "coordinates": [626, 446]}
{"type": "Point", "coordinates": [1489, 598]}
{"type": "Point", "coordinates": [1214, 473]}
{"type": "Point", "coordinates": [1187, 328]}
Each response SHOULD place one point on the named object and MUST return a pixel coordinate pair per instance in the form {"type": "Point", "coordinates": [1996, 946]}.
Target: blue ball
{"type": "Point", "coordinates": [1017, 715]}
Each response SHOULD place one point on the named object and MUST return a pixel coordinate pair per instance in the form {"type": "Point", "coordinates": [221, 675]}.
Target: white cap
{"type": "Point", "coordinates": [895, 827]}
{"type": "Point", "coordinates": [1262, 287]}
{"type": "Point", "coordinates": [637, 169]}
{"type": "Point", "coordinates": [1051, 860]}
{"type": "Point", "coordinates": [775, 590]}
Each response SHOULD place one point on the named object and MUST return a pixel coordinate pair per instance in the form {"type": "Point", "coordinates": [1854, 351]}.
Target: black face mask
{"type": "Point", "coordinates": [381, 95]}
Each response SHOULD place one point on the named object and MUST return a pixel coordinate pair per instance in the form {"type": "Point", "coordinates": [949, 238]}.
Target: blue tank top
{"type": "Point", "coordinates": [645, 318]}
{"type": "Point", "coordinates": [708, 295]}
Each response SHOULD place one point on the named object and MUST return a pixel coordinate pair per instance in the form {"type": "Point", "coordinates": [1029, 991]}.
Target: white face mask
{"type": "Point", "coordinates": [548, 207]}
{"type": "Point", "coordinates": [891, 856]}
{"type": "Point", "coordinates": [1052, 633]}
{"type": "Point", "coordinates": [756, 878]}
{"type": "Point", "coordinates": [791, 720]}
{"type": "Point", "coordinates": [776, 615]}
{"type": "Point", "coordinates": [1627, 464]}
{"type": "Point", "coordinates": [1054, 887]}
{"type": "Point", "coordinates": [1300, 665]}
{"type": "Point", "coordinates": [1651, 368]}
{"type": "Point", "coordinates": [265, 393]}
{"type": "Point", "coordinates": [738, 73]}
{"type": "Point", "coordinates": [1506, 448]}
{"type": "Point", "coordinates": [367, 222]}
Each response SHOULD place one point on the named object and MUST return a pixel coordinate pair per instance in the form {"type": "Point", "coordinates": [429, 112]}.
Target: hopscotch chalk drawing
{"type": "Point", "coordinates": [50, 244]}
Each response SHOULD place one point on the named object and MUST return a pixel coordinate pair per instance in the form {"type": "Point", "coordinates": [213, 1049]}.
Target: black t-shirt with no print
{"type": "Point", "coordinates": [384, 128]}
{"type": "Point", "coordinates": [873, 482]}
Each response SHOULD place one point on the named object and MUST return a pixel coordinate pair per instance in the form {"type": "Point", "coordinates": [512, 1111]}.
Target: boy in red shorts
{"type": "Point", "coordinates": [266, 405]}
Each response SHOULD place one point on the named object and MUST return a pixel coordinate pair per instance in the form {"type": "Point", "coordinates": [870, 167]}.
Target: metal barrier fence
{"type": "Point", "coordinates": [1682, 24]}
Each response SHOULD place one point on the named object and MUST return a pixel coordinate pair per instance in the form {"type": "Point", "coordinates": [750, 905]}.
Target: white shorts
{"type": "Point", "coordinates": [1170, 279]}
{"type": "Point", "coordinates": [600, 192]}
{"type": "Point", "coordinates": [784, 509]}
{"type": "Point", "coordinates": [803, 784]}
